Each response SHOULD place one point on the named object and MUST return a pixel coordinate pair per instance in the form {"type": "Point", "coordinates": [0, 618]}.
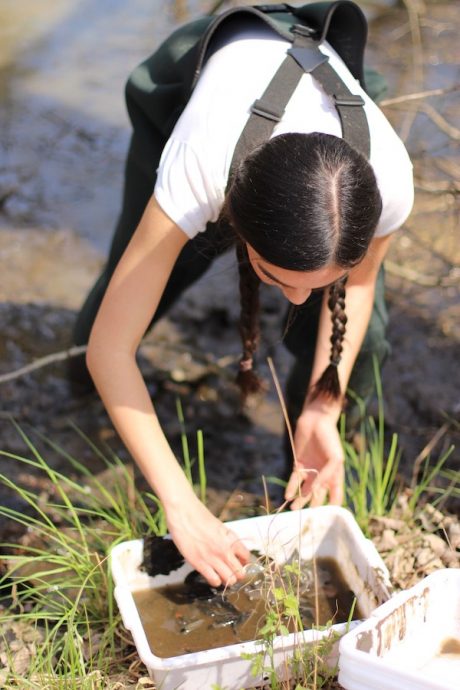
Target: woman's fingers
{"type": "Point", "coordinates": [313, 487]}
{"type": "Point", "coordinates": [229, 573]}
{"type": "Point", "coordinates": [210, 574]}
{"type": "Point", "coordinates": [300, 502]}
{"type": "Point", "coordinates": [239, 549]}
{"type": "Point", "coordinates": [238, 556]}
{"type": "Point", "coordinates": [299, 482]}
{"type": "Point", "coordinates": [226, 565]}
{"type": "Point", "coordinates": [293, 487]}
{"type": "Point", "coordinates": [318, 495]}
{"type": "Point", "coordinates": [220, 570]}
{"type": "Point", "coordinates": [329, 481]}
{"type": "Point", "coordinates": [336, 493]}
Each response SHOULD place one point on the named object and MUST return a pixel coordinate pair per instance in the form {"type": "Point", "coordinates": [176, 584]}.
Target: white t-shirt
{"type": "Point", "coordinates": [194, 166]}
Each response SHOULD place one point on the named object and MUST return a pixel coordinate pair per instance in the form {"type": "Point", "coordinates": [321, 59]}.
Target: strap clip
{"type": "Point", "coordinates": [303, 30]}
{"type": "Point", "coordinates": [350, 99]}
{"type": "Point", "coordinates": [267, 9]}
{"type": "Point", "coordinates": [259, 108]}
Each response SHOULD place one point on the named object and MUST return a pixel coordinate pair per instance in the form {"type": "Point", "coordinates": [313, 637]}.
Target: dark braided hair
{"type": "Point", "coordinates": [328, 384]}
{"type": "Point", "coordinates": [247, 379]}
{"type": "Point", "coordinates": [303, 202]}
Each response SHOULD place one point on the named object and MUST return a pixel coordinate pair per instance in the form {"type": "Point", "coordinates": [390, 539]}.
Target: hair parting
{"type": "Point", "coordinates": [302, 202]}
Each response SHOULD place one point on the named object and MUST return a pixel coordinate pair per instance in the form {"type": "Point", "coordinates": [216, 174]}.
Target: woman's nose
{"type": "Point", "coordinates": [297, 295]}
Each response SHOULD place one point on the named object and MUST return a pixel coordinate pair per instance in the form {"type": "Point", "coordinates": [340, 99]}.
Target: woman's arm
{"type": "Point", "coordinates": [125, 313]}
{"type": "Point", "coordinates": [319, 452]}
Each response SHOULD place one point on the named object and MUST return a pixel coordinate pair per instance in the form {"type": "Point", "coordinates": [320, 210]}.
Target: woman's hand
{"type": "Point", "coordinates": [206, 543]}
{"type": "Point", "coordinates": [319, 471]}
{"type": "Point", "coordinates": [319, 467]}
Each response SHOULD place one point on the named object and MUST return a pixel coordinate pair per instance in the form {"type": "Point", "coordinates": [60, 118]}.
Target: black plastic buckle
{"type": "Point", "coordinates": [351, 99]}
{"type": "Point", "coordinates": [308, 57]}
{"type": "Point", "coordinates": [268, 9]}
{"type": "Point", "coordinates": [259, 108]}
{"type": "Point", "coordinates": [306, 31]}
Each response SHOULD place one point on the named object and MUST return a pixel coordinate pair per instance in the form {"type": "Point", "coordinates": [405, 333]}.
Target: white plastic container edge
{"type": "Point", "coordinates": [399, 640]}
{"type": "Point", "coordinates": [326, 531]}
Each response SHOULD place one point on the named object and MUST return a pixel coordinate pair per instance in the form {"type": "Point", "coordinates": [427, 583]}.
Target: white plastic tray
{"type": "Point", "coordinates": [402, 643]}
{"type": "Point", "coordinates": [328, 531]}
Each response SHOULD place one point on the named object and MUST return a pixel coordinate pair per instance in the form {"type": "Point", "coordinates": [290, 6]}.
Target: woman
{"type": "Point", "coordinates": [306, 212]}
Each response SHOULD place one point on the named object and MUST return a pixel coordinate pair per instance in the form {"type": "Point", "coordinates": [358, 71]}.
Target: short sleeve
{"type": "Point", "coordinates": [185, 188]}
{"type": "Point", "coordinates": [397, 190]}
{"type": "Point", "coordinates": [393, 170]}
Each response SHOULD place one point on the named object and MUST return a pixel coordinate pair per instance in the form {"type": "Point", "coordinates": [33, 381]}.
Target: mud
{"type": "Point", "coordinates": [191, 616]}
{"type": "Point", "coordinates": [64, 136]}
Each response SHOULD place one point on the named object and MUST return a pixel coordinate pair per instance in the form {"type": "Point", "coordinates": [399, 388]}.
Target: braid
{"type": "Point", "coordinates": [247, 379]}
{"type": "Point", "coordinates": [329, 384]}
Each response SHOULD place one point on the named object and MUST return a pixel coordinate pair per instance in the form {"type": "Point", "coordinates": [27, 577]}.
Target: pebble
{"type": "Point", "coordinates": [388, 540]}
{"type": "Point", "coordinates": [145, 684]}
{"type": "Point", "coordinates": [435, 543]}
{"type": "Point", "coordinates": [453, 532]}
{"type": "Point", "coordinates": [424, 556]}
{"type": "Point", "coordinates": [388, 523]}
{"type": "Point", "coordinates": [19, 662]}
{"type": "Point", "coordinates": [451, 559]}
{"type": "Point", "coordinates": [432, 566]}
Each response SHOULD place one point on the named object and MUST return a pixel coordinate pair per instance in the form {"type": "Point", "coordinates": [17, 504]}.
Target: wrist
{"type": "Point", "coordinates": [324, 405]}
{"type": "Point", "coordinates": [180, 499]}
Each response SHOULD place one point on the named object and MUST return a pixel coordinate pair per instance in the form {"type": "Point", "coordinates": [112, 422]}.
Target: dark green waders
{"type": "Point", "coordinates": [156, 94]}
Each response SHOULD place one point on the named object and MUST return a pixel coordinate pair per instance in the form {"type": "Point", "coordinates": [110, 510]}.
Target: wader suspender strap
{"type": "Point", "coordinates": [304, 56]}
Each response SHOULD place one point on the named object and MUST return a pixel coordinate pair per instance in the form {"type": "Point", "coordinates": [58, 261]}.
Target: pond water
{"type": "Point", "coordinates": [191, 616]}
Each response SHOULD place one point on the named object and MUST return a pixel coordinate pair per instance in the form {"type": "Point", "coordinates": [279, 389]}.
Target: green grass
{"type": "Point", "coordinates": [313, 665]}
{"type": "Point", "coordinates": [62, 592]}
{"type": "Point", "coordinates": [62, 589]}
{"type": "Point", "coordinates": [373, 480]}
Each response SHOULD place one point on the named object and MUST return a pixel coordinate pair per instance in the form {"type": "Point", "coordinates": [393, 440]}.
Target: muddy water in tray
{"type": "Point", "coordinates": [192, 616]}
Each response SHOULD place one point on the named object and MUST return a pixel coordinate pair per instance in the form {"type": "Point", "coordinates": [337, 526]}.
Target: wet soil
{"type": "Point", "coordinates": [423, 272]}
{"type": "Point", "coordinates": [64, 136]}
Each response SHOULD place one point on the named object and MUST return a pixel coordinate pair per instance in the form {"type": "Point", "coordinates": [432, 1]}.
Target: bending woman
{"type": "Point", "coordinates": [307, 213]}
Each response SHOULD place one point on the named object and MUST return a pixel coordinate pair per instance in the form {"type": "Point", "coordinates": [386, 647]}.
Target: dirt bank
{"type": "Point", "coordinates": [64, 138]}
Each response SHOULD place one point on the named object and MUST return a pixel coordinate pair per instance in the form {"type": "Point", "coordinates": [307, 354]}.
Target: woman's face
{"type": "Point", "coordinates": [296, 286]}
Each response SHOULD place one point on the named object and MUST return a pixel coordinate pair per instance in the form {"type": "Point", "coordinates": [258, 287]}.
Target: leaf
{"type": "Point", "coordinates": [268, 628]}
{"type": "Point", "coordinates": [293, 568]}
{"type": "Point", "coordinates": [291, 605]}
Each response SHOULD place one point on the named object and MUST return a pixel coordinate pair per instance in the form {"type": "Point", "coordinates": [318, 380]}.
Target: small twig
{"type": "Point", "coordinates": [217, 365]}
{"type": "Point", "coordinates": [438, 27]}
{"type": "Point", "coordinates": [216, 6]}
{"type": "Point", "coordinates": [427, 245]}
{"type": "Point", "coordinates": [413, 8]}
{"type": "Point", "coordinates": [420, 278]}
{"type": "Point", "coordinates": [433, 187]}
{"type": "Point", "coordinates": [283, 406]}
{"type": "Point", "coordinates": [424, 453]}
{"type": "Point", "coordinates": [418, 96]}
{"type": "Point", "coordinates": [440, 121]}
{"type": "Point", "coordinates": [399, 32]}
{"type": "Point", "coordinates": [43, 362]}
{"type": "Point", "coordinates": [225, 512]}
{"type": "Point", "coordinates": [449, 167]}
